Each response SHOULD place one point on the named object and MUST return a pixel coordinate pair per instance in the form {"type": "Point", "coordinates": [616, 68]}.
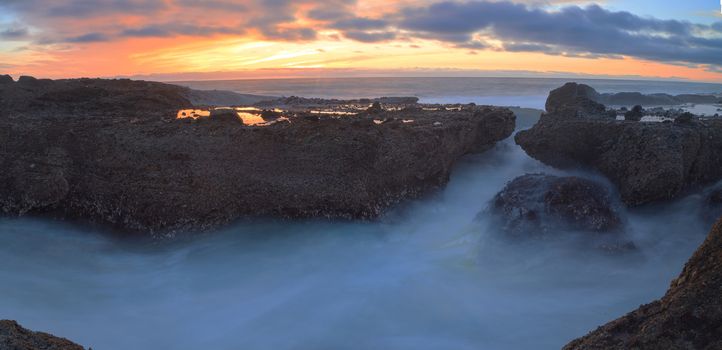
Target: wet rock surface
{"type": "Point", "coordinates": [647, 161]}
{"type": "Point", "coordinates": [112, 151]}
{"type": "Point", "coordinates": [689, 316]}
{"type": "Point", "coordinates": [542, 205]}
{"type": "Point", "coordinates": [15, 337]}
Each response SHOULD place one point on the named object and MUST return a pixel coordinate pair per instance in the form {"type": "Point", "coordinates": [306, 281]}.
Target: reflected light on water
{"type": "Point", "coordinates": [250, 116]}
{"type": "Point", "coordinates": [193, 113]}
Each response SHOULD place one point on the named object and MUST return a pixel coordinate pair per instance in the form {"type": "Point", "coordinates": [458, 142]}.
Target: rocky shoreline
{"type": "Point", "coordinates": [157, 158]}
{"type": "Point", "coordinates": [647, 161]}
{"type": "Point", "coordinates": [689, 316]}
{"type": "Point", "coordinates": [115, 152]}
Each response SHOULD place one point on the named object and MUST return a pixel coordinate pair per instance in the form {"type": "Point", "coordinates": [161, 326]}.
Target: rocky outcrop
{"type": "Point", "coordinates": [6, 79]}
{"type": "Point", "coordinates": [574, 100]}
{"type": "Point", "coordinates": [15, 337]}
{"type": "Point", "coordinates": [542, 205]}
{"type": "Point", "coordinates": [635, 114]}
{"type": "Point", "coordinates": [648, 162]}
{"type": "Point", "coordinates": [689, 316]}
{"type": "Point", "coordinates": [114, 152]}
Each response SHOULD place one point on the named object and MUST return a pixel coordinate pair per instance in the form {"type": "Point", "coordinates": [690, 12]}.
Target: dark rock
{"type": "Point", "coordinates": [375, 108]}
{"type": "Point", "coordinates": [225, 115]}
{"type": "Point", "coordinates": [648, 162]}
{"type": "Point", "coordinates": [270, 114]}
{"type": "Point", "coordinates": [689, 316]}
{"type": "Point", "coordinates": [577, 99]}
{"type": "Point", "coordinates": [120, 157]}
{"type": "Point", "coordinates": [540, 205]}
{"type": "Point", "coordinates": [6, 79]}
{"type": "Point", "coordinates": [398, 100]}
{"type": "Point", "coordinates": [635, 114]}
{"type": "Point", "coordinates": [684, 118]}
{"type": "Point", "coordinates": [15, 337]}
{"type": "Point", "coordinates": [27, 80]}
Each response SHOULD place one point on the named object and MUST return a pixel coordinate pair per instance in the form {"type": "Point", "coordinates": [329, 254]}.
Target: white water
{"type": "Point", "coordinates": [426, 277]}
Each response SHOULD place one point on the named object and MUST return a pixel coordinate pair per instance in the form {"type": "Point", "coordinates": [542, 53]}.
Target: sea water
{"type": "Point", "coordinates": [522, 92]}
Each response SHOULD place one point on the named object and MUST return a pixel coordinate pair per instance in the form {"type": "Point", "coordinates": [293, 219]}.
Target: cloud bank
{"type": "Point", "coordinates": [583, 31]}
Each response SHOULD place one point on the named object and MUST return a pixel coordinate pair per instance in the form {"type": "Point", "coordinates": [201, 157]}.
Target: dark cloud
{"type": "Point", "coordinates": [88, 38]}
{"type": "Point", "coordinates": [14, 33]}
{"type": "Point", "coordinates": [174, 29]}
{"type": "Point", "coordinates": [360, 23]}
{"type": "Point", "coordinates": [370, 37]}
{"type": "Point", "coordinates": [82, 8]}
{"type": "Point", "coordinates": [591, 31]}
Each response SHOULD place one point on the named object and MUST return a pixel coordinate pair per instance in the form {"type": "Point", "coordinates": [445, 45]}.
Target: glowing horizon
{"type": "Point", "coordinates": [284, 39]}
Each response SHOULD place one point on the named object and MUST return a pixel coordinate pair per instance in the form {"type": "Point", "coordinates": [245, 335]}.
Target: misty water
{"type": "Point", "coordinates": [426, 276]}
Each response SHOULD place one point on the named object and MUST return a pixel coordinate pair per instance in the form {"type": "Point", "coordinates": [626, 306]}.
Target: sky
{"type": "Point", "coordinates": [237, 39]}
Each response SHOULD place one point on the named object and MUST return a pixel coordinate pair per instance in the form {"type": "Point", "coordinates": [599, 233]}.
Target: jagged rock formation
{"type": "Point", "coordinates": [541, 205]}
{"type": "Point", "coordinates": [114, 152]}
{"type": "Point", "coordinates": [688, 317]}
{"type": "Point", "coordinates": [574, 100]}
{"type": "Point", "coordinates": [15, 337]}
{"type": "Point", "coordinates": [648, 162]}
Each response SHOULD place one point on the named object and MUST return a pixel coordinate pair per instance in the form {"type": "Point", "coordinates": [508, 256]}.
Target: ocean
{"type": "Point", "coordinates": [522, 92]}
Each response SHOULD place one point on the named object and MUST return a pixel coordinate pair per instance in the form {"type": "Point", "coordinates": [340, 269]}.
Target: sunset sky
{"type": "Point", "coordinates": [226, 39]}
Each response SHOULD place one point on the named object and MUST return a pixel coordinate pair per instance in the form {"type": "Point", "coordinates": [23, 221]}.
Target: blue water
{"type": "Point", "coordinates": [523, 92]}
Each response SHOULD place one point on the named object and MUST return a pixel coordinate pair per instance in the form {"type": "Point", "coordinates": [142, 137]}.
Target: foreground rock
{"type": "Point", "coordinates": [647, 161]}
{"type": "Point", "coordinates": [689, 316]}
{"type": "Point", "coordinates": [540, 205]}
{"type": "Point", "coordinates": [15, 337]}
{"type": "Point", "coordinates": [114, 152]}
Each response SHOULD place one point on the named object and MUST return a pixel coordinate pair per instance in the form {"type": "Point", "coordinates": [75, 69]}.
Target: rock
{"type": "Point", "coordinates": [689, 316]}
{"type": "Point", "coordinates": [15, 337]}
{"type": "Point", "coordinates": [121, 158]}
{"type": "Point", "coordinates": [375, 108]}
{"type": "Point", "coordinates": [648, 162]}
{"type": "Point", "coordinates": [541, 205]}
{"type": "Point", "coordinates": [635, 114]}
{"type": "Point", "coordinates": [398, 100]}
{"type": "Point", "coordinates": [24, 79]}
{"type": "Point", "coordinates": [578, 99]}
{"type": "Point", "coordinates": [6, 79]}
{"type": "Point", "coordinates": [225, 115]}
{"type": "Point", "coordinates": [684, 118]}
